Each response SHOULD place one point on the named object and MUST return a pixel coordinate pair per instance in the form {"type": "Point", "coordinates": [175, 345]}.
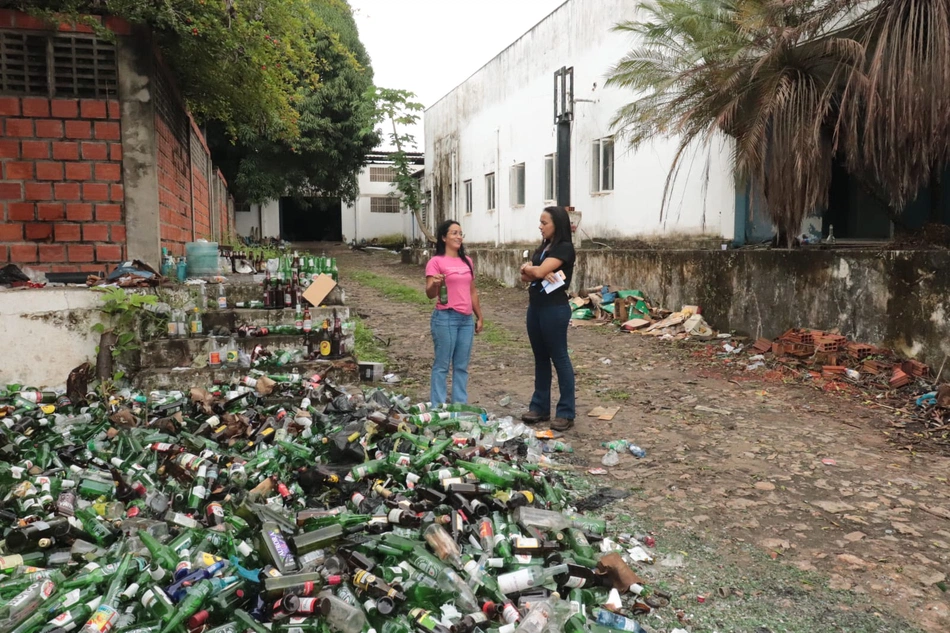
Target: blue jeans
{"type": "Point", "coordinates": [452, 333]}
{"type": "Point", "coordinates": [547, 331]}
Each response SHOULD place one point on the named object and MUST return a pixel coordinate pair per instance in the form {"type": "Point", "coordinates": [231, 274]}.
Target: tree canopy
{"type": "Point", "coordinates": [796, 83]}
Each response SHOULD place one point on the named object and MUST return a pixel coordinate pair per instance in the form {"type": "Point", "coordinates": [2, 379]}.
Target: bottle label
{"type": "Point", "coordinates": [196, 326]}
{"type": "Point", "coordinates": [214, 358]}
{"type": "Point", "coordinates": [280, 545]}
{"type": "Point", "coordinates": [324, 348]}
{"type": "Point", "coordinates": [575, 582]}
{"type": "Point", "coordinates": [232, 356]}
{"type": "Point", "coordinates": [515, 581]}
{"type": "Point", "coordinates": [223, 303]}
{"type": "Point", "coordinates": [172, 328]}
{"type": "Point", "coordinates": [9, 562]}
{"type": "Point", "coordinates": [102, 620]}
{"type": "Point", "coordinates": [199, 491]}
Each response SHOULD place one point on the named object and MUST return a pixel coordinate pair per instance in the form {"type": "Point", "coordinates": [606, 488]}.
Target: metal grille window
{"type": "Point", "coordinates": [84, 67]}
{"type": "Point", "coordinates": [57, 65]}
{"type": "Point", "coordinates": [382, 174]}
{"type": "Point", "coordinates": [23, 64]}
{"type": "Point", "coordinates": [383, 204]}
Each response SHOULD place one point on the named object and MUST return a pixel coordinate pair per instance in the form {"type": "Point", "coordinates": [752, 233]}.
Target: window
{"type": "Point", "coordinates": [383, 204]}
{"type": "Point", "coordinates": [602, 165]}
{"type": "Point", "coordinates": [382, 174]}
{"type": "Point", "coordinates": [57, 65]}
{"type": "Point", "coordinates": [243, 207]}
{"type": "Point", "coordinates": [550, 178]}
{"type": "Point", "coordinates": [468, 196]}
{"type": "Point", "coordinates": [517, 185]}
{"type": "Point", "coordinates": [490, 191]}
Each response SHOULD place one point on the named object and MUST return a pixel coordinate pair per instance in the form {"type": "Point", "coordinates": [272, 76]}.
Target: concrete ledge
{"type": "Point", "coordinates": [895, 299]}
{"type": "Point", "coordinates": [46, 333]}
{"type": "Point", "coordinates": [344, 371]}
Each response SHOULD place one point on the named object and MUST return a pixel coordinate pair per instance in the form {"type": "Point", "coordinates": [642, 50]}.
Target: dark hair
{"type": "Point", "coordinates": [440, 234]}
{"type": "Point", "coordinates": [562, 227]}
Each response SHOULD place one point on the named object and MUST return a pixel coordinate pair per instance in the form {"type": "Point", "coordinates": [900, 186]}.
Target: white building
{"type": "Point", "coordinates": [376, 212]}
{"type": "Point", "coordinates": [491, 144]}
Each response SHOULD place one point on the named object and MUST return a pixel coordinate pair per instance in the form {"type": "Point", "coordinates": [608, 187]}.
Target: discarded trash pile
{"type": "Point", "coordinates": [635, 314]}
{"type": "Point", "coordinates": [313, 509]}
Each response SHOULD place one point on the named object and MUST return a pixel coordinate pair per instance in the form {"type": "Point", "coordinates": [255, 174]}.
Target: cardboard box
{"type": "Point", "coordinates": [319, 289]}
{"type": "Point", "coordinates": [371, 372]}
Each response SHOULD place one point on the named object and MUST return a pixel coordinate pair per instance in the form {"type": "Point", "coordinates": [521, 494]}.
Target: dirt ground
{"type": "Point", "coordinates": [786, 482]}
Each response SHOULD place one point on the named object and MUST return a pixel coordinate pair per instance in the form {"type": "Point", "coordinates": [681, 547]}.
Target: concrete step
{"type": "Point", "coordinates": [343, 371]}
{"type": "Point", "coordinates": [250, 288]}
{"type": "Point", "coordinates": [180, 352]}
{"type": "Point", "coordinates": [234, 317]}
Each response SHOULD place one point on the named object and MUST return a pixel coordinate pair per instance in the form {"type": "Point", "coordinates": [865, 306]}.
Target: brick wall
{"type": "Point", "coordinates": [62, 197]}
{"type": "Point", "coordinates": [183, 164]}
{"type": "Point", "coordinates": [61, 183]}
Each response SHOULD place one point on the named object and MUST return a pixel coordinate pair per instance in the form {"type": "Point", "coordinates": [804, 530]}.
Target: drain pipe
{"type": "Point", "coordinates": [191, 173]}
{"type": "Point", "coordinates": [497, 182]}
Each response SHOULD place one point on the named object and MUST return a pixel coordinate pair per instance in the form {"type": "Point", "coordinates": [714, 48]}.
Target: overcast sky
{"type": "Point", "coordinates": [431, 46]}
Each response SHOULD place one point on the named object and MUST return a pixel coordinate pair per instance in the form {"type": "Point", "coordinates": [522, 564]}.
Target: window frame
{"type": "Point", "coordinates": [603, 165]}
{"type": "Point", "coordinates": [550, 178]}
{"type": "Point", "coordinates": [467, 190]}
{"type": "Point", "coordinates": [491, 191]}
{"type": "Point", "coordinates": [516, 187]}
{"type": "Point", "coordinates": [398, 202]}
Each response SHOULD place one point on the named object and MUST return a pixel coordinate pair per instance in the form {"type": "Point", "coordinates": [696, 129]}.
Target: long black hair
{"type": "Point", "coordinates": [440, 234]}
{"type": "Point", "coordinates": [562, 227]}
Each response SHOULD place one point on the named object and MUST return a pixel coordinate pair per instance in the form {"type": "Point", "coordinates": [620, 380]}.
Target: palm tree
{"type": "Point", "coordinates": [793, 83]}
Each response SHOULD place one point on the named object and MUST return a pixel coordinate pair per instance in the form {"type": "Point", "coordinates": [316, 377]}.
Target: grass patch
{"type": "Point", "coordinates": [368, 348]}
{"type": "Point", "coordinates": [494, 334]}
{"type": "Point", "coordinates": [390, 288]}
{"type": "Point", "coordinates": [618, 395]}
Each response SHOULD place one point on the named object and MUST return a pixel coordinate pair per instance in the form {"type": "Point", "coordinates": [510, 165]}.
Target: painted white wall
{"type": "Point", "coordinates": [47, 333]}
{"type": "Point", "coordinates": [503, 115]}
{"type": "Point", "coordinates": [360, 223]}
{"type": "Point", "coordinates": [267, 214]}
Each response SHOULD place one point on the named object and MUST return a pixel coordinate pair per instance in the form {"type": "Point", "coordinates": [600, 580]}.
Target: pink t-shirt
{"type": "Point", "coordinates": [458, 281]}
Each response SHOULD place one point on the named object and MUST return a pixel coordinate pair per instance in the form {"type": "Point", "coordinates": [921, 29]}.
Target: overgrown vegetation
{"type": "Point", "coordinates": [367, 346]}
{"type": "Point", "coordinates": [118, 334]}
{"type": "Point", "coordinates": [390, 288]}
{"type": "Point", "coordinates": [796, 84]}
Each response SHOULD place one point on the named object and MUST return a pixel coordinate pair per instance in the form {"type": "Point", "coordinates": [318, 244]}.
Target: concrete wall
{"type": "Point", "coordinates": [503, 116]}
{"type": "Point", "coordinates": [46, 333]}
{"type": "Point", "coordinates": [266, 214]}
{"type": "Point", "coordinates": [895, 299]}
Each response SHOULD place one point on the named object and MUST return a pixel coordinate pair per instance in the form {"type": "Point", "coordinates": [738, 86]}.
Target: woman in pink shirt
{"type": "Point", "coordinates": [451, 277]}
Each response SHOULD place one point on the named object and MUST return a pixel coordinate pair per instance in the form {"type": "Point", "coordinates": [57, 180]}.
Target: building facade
{"type": "Point", "coordinates": [491, 144]}
{"type": "Point", "coordinates": [377, 211]}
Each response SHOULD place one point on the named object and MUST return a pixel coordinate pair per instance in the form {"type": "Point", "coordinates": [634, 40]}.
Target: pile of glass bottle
{"type": "Point", "coordinates": [319, 508]}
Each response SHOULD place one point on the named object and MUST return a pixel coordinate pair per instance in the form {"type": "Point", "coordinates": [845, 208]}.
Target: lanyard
{"type": "Point", "coordinates": [544, 254]}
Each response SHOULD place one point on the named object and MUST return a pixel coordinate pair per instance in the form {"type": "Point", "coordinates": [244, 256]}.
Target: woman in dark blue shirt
{"type": "Point", "coordinates": [549, 315]}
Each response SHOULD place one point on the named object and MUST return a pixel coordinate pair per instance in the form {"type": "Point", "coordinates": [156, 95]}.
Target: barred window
{"type": "Point", "coordinates": [57, 65]}
{"type": "Point", "coordinates": [382, 174]}
{"type": "Point", "coordinates": [384, 204]}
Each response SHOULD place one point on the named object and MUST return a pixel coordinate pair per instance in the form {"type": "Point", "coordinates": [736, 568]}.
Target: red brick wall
{"type": "Point", "coordinates": [61, 191]}
{"type": "Point", "coordinates": [174, 189]}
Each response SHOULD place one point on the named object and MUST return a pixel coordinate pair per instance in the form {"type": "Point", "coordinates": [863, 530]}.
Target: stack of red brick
{"type": "Point", "coordinates": [833, 355]}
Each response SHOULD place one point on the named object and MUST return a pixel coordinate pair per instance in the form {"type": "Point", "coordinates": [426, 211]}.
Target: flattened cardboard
{"type": "Point", "coordinates": [319, 289]}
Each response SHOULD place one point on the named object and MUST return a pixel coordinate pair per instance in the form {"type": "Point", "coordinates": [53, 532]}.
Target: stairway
{"type": "Point", "coordinates": [181, 363]}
